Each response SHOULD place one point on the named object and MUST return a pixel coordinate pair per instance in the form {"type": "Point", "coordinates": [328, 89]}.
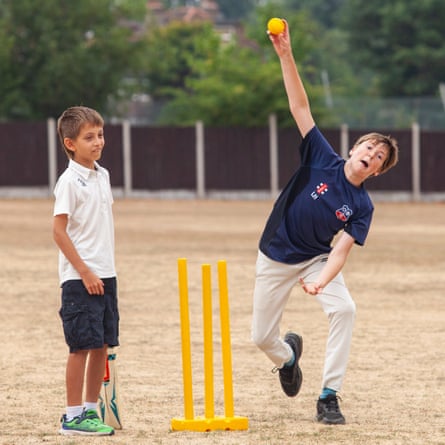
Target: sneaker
{"type": "Point", "coordinates": [328, 411]}
{"type": "Point", "coordinates": [291, 377]}
{"type": "Point", "coordinates": [87, 424]}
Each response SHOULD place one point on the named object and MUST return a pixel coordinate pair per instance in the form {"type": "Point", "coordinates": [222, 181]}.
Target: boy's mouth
{"type": "Point", "coordinates": [364, 163]}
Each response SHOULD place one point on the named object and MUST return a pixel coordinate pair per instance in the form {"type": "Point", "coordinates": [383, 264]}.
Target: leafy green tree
{"type": "Point", "coordinates": [234, 88]}
{"type": "Point", "coordinates": [402, 41]}
{"type": "Point", "coordinates": [241, 84]}
{"type": "Point", "coordinates": [236, 9]}
{"type": "Point", "coordinates": [57, 53]}
{"type": "Point", "coordinates": [170, 53]}
{"type": "Point", "coordinates": [325, 12]}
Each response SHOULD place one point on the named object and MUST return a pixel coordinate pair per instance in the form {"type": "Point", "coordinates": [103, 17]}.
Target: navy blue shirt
{"type": "Point", "coordinates": [315, 205]}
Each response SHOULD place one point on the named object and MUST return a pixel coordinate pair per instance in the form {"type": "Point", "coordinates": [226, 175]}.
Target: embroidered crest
{"type": "Point", "coordinates": [343, 213]}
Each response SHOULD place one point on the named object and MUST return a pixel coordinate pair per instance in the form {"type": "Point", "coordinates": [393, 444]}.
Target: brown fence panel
{"type": "Point", "coordinates": [289, 141]}
{"type": "Point", "coordinates": [163, 158]}
{"type": "Point", "coordinates": [333, 136]}
{"type": "Point", "coordinates": [112, 156]}
{"type": "Point", "coordinates": [23, 154]}
{"type": "Point", "coordinates": [432, 161]}
{"type": "Point", "coordinates": [237, 158]}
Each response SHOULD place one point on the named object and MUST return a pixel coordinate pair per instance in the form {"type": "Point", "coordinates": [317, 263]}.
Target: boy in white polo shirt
{"type": "Point", "coordinates": [84, 232]}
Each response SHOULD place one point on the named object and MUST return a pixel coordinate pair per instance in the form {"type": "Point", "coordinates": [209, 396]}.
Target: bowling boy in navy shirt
{"type": "Point", "coordinates": [325, 196]}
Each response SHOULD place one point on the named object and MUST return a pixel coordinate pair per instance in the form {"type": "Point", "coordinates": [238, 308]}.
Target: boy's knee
{"type": "Point", "coordinates": [347, 310]}
{"type": "Point", "coordinates": [259, 340]}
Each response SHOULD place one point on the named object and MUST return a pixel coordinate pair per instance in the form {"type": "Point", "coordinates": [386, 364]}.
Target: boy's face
{"type": "Point", "coordinates": [87, 146]}
{"type": "Point", "coordinates": [367, 158]}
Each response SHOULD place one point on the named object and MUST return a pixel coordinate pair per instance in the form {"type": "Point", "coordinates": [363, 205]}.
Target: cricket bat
{"type": "Point", "coordinates": [109, 397]}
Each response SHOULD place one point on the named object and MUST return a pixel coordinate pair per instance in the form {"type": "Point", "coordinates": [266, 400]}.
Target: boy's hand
{"type": "Point", "coordinates": [310, 288]}
{"type": "Point", "coordinates": [281, 42]}
{"type": "Point", "coordinates": [93, 284]}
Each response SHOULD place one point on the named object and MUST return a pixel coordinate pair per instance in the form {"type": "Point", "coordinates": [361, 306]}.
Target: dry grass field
{"type": "Point", "coordinates": [393, 393]}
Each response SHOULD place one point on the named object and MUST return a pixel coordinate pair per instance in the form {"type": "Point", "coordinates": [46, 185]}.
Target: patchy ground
{"type": "Point", "coordinates": [396, 376]}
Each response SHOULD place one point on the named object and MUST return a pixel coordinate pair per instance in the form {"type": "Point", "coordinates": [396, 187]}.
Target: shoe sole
{"type": "Point", "coordinates": [83, 433]}
{"type": "Point", "coordinates": [298, 340]}
{"type": "Point", "coordinates": [329, 422]}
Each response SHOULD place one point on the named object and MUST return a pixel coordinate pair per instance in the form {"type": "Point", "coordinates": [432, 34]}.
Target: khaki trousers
{"type": "Point", "coordinates": [273, 285]}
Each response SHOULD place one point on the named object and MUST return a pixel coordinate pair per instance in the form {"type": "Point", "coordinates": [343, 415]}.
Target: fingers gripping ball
{"type": "Point", "coordinates": [275, 26]}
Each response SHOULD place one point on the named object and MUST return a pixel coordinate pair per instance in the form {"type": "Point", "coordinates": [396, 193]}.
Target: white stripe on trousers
{"type": "Point", "coordinates": [273, 285]}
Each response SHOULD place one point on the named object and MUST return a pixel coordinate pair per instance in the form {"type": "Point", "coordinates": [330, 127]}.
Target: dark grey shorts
{"type": "Point", "coordinates": [89, 321]}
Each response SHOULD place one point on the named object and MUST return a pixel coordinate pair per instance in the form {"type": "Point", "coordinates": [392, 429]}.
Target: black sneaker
{"type": "Point", "coordinates": [291, 377]}
{"type": "Point", "coordinates": [328, 411]}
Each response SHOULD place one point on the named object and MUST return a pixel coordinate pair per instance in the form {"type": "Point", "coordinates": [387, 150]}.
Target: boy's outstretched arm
{"type": "Point", "coordinates": [91, 281]}
{"type": "Point", "coordinates": [298, 100]}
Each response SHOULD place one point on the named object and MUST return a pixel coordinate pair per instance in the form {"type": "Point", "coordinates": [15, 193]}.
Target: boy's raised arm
{"type": "Point", "coordinates": [298, 100]}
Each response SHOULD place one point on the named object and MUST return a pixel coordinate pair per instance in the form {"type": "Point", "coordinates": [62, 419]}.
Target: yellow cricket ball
{"type": "Point", "coordinates": [275, 26]}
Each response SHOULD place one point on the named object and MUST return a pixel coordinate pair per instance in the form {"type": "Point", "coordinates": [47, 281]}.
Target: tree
{"type": "Point", "coordinates": [58, 53]}
{"type": "Point", "coordinates": [170, 53]}
{"type": "Point", "coordinates": [234, 88]}
{"type": "Point", "coordinates": [402, 41]}
{"type": "Point", "coordinates": [325, 12]}
{"type": "Point", "coordinates": [235, 9]}
{"type": "Point", "coordinates": [238, 84]}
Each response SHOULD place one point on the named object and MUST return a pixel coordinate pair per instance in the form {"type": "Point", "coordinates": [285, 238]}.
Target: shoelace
{"type": "Point", "coordinates": [332, 403]}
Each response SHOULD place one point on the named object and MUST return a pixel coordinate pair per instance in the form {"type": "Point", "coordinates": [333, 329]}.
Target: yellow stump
{"type": "Point", "coordinates": [226, 347]}
{"type": "Point", "coordinates": [209, 422]}
{"type": "Point", "coordinates": [185, 339]}
{"type": "Point", "coordinates": [208, 341]}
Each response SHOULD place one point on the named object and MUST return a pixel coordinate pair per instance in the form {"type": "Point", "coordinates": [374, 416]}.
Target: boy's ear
{"type": "Point", "coordinates": [352, 150]}
{"type": "Point", "coordinates": [69, 144]}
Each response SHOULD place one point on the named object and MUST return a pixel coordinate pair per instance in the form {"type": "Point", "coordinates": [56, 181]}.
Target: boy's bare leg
{"type": "Point", "coordinates": [75, 371]}
{"type": "Point", "coordinates": [95, 373]}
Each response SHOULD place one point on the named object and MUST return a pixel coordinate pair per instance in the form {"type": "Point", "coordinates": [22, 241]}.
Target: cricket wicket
{"type": "Point", "coordinates": [209, 421]}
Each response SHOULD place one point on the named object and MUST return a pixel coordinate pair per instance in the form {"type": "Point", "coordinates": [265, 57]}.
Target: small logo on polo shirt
{"type": "Point", "coordinates": [81, 182]}
{"type": "Point", "coordinates": [343, 213]}
{"type": "Point", "coordinates": [320, 190]}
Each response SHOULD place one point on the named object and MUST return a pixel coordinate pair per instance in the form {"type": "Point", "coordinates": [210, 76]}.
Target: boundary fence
{"type": "Point", "coordinates": [206, 162]}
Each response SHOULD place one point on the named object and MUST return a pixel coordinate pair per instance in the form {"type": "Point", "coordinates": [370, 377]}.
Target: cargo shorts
{"type": "Point", "coordinates": [89, 321]}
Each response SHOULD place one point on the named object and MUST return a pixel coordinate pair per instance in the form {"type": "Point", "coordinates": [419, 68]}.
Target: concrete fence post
{"type": "Point", "coordinates": [416, 161]}
{"type": "Point", "coordinates": [344, 141]}
{"type": "Point", "coordinates": [52, 153]}
{"type": "Point", "coordinates": [273, 153]}
{"type": "Point", "coordinates": [200, 160]}
{"type": "Point", "coordinates": [126, 154]}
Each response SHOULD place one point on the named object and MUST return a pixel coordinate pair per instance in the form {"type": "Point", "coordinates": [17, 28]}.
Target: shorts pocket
{"type": "Point", "coordinates": [76, 325]}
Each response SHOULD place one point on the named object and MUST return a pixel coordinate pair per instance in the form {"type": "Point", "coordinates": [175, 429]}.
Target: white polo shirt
{"type": "Point", "coordinates": [85, 196]}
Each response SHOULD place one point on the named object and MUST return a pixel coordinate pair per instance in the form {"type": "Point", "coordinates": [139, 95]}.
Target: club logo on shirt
{"type": "Point", "coordinates": [82, 182]}
{"type": "Point", "coordinates": [320, 190]}
{"type": "Point", "coordinates": [343, 213]}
